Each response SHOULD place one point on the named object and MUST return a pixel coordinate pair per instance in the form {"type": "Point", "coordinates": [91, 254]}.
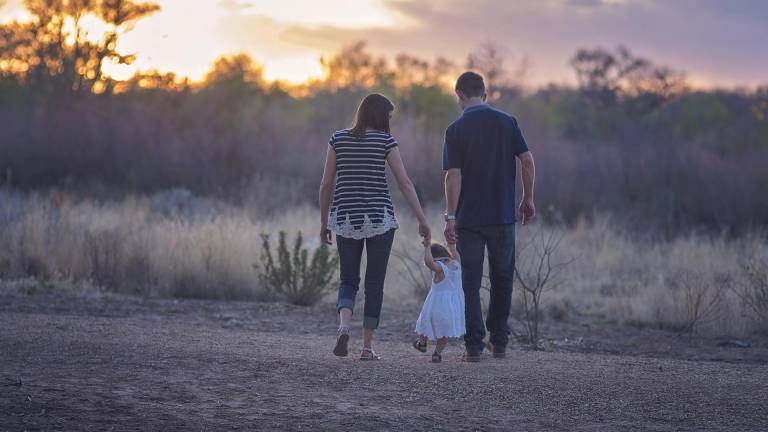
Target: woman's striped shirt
{"type": "Point", "coordinates": [361, 205]}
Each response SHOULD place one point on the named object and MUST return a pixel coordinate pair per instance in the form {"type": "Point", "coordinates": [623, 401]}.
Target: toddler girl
{"type": "Point", "coordinates": [442, 315]}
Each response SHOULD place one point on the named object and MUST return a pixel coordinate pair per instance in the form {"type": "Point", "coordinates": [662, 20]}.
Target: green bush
{"type": "Point", "coordinates": [291, 275]}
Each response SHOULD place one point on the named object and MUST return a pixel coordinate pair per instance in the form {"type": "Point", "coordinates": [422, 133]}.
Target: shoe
{"type": "Point", "coordinates": [368, 354]}
{"type": "Point", "coordinates": [498, 351]}
{"type": "Point", "coordinates": [436, 357]}
{"type": "Point", "coordinates": [341, 350]}
{"type": "Point", "coordinates": [472, 356]}
{"type": "Point", "coordinates": [419, 346]}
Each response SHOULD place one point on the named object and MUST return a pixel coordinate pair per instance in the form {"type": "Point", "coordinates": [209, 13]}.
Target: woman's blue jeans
{"type": "Point", "coordinates": [377, 249]}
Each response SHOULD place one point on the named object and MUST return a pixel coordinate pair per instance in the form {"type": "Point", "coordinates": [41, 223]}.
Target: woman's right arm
{"type": "Point", "coordinates": [408, 190]}
{"type": "Point", "coordinates": [326, 186]}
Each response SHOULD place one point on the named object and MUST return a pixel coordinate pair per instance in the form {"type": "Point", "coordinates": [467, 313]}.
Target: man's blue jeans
{"type": "Point", "coordinates": [350, 253]}
{"type": "Point", "coordinates": [472, 242]}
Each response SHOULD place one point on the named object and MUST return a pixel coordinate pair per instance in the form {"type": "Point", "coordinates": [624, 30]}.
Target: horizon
{"type": "Point", "coordinates": [289, 46]}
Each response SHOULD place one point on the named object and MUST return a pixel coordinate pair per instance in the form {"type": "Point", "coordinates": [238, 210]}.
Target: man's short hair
{"type": "Point", "coordinates": [470, 84]}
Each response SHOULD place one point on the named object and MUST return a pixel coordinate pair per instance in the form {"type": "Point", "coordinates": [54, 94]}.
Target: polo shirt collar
{"type": "Point", "coordinates": [477, 107]}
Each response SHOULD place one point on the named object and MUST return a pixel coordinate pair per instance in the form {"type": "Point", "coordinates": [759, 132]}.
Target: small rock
{"type": "Point", "coordinates": [734, 343]}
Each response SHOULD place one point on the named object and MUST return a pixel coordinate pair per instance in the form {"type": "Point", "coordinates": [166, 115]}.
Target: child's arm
{"type": "Point", "coordinates": [454, 252]}
{"type": "Point", "coordinates": [428, 260]}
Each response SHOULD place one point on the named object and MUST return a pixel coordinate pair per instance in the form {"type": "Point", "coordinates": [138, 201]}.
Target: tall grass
{"type": "Point", "coordinates": [176, 245]}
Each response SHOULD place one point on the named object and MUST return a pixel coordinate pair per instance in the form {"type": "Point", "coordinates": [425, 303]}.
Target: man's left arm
{"type": "Point", "coordinates": [520, 148]}
{"type": "Point", "coordinates": [527, 208]}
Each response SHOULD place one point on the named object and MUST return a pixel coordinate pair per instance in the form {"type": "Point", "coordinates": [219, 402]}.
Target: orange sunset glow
{"type": "Point", "coordinates": [288, 38]}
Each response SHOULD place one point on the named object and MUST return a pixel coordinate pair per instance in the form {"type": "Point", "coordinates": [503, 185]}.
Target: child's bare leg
{"type": "Point", "coordinates": [422, 340]}
{"type": "Point", "coordinates": [441, 343]}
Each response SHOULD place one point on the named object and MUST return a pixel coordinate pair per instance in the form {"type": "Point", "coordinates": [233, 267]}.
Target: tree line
{"type": "Point", "coordinates": [632, 139]}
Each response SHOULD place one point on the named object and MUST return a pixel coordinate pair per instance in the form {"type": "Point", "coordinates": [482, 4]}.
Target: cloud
{"type": "Point", "coordinates": [257, 34]}
{"type": "Point", "coordinates": [721, 42]}
{"type": "Point", "coordinates": [595, 3]}
{"type": "Point", "coordinates": [716, 41]}
{"type": "Point", "coordinates": [235, 6]}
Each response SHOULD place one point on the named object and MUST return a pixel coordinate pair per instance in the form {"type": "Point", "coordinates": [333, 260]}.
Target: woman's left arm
{"type": "Point", "coordinates": [408, 190]}
{"type": "Point", "coordinates": [326, 186]}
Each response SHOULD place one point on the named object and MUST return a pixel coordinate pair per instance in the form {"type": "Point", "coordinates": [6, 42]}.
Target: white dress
{"type": "Point", "coordinates": [442, 314]}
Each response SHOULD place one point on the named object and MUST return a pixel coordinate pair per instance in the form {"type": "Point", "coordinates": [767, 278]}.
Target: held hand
{"type": "Point", "coordinates": [450, 232]}
{"type": "Point", "coordinates": [527, 210]}
{"type": "Point", "coordinates": [326, 236]}
{"type": "Point", "coordinates": [424, 231]}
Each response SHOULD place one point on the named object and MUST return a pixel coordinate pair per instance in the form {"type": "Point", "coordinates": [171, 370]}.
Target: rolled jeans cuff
{"type": "Point", "coordinates": [345, 303]}
{"type": "Point", "coordinates": [371, 323]}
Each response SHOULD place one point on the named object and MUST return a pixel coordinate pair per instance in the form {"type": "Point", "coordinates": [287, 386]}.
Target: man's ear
{"type": "Point", "coordinates": [461, 95]}
{"type": "Point", "coordinates": [485, 96]}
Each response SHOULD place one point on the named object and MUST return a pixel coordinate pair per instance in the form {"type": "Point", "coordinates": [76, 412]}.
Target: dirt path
{"type": "Point", "coordinates": [77, 364]}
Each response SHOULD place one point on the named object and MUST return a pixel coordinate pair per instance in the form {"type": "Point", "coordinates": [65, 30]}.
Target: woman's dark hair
{"type": "Point", "coordinates": [439, 251]}
{"type": "Point", "coordinates": [470, 84]}
{"type": "Point", "coordinates": [372, 113]}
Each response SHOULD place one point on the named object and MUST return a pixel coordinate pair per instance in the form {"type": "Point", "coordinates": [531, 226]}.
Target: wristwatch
{"type": "Point", "coordinates": [449, 217]}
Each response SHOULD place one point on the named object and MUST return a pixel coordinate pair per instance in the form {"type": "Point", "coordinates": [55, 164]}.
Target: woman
{"type": "Point", "coordinates": [361, 214]}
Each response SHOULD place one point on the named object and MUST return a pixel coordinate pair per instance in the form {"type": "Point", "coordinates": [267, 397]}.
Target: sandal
{"type": "Point", "coordinates": [340, 350]}
{"type": "Point", "coordinates": [436, 357]}
{"type": "Point", "coordinates": [419, 346]}
{"type": "Point", "coordinates": [369, 354]}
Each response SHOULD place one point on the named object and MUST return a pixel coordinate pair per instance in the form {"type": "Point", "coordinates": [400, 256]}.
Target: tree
{"type": "Point", "coordinates": [153, 80]}
{"type": "Point", "coordinates": [605, 77]}
{"type": "Point", "coordinates": [51, 51]}
{"type": "Point", "coordinates": [490, 61]}
{"type": "Point", "coordinates": [355, 68]}
{"type": "Point", "coordinates": [237, 68]}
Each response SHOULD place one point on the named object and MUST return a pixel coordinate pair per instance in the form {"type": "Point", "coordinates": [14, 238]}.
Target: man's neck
{"type": "Point", "coordinates": [473, 102]}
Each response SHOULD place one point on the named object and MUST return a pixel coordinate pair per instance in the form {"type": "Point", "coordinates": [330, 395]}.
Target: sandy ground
{"type": "Point", "coordinates": [105, 363]}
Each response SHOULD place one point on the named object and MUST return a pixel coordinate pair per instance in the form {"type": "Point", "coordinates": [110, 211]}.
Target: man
{"type": "Point", "coordinates": [479, 159]}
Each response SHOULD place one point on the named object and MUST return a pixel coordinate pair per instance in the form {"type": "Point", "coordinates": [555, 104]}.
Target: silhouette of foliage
{"type": "Point", "coordinates": [52, 51]}
{"type": "Point", "coordinates": [606, 76]}
{"type": "Point", "coordinates": [631, 140]}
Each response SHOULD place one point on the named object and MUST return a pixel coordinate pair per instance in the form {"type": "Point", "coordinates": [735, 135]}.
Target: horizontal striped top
{"type": "Point", "coordinates": [361, 206]}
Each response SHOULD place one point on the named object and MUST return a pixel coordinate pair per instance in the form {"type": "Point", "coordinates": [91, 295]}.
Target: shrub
{"type": "Point", "coordinates": [105, 255]}
{"type": "Point", "coordinates": [414, 273]}
{"type": "Point", "coordinates": [702, 298]}
{"type": "Point", "coordinates": [753, 293]}
{"type": "Point", "coordinates": [291, 275]}
{"type": "Point", "coordinates": [536, 272]}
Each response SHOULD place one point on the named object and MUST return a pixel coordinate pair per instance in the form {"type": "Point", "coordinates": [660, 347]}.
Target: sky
{"type": "Point", "coordinates": [716, 42]}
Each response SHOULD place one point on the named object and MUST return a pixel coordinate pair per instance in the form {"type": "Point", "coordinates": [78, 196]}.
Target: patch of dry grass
{"type": "Point", "coordinates": [198, 248]}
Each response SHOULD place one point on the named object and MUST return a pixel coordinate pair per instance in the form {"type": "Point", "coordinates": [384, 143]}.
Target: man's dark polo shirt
{"type": "Point", "coordinates": [483, 143]}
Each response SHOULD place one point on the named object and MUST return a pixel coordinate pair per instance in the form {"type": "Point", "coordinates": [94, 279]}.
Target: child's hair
{"type": "Point", "coordinates": [439, 251]}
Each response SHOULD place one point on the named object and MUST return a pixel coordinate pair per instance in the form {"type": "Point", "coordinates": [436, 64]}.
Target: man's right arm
{"type": "Point", "coordinates": [452, 193]}
{"type": "Point", "coordinates": [527, 207]}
